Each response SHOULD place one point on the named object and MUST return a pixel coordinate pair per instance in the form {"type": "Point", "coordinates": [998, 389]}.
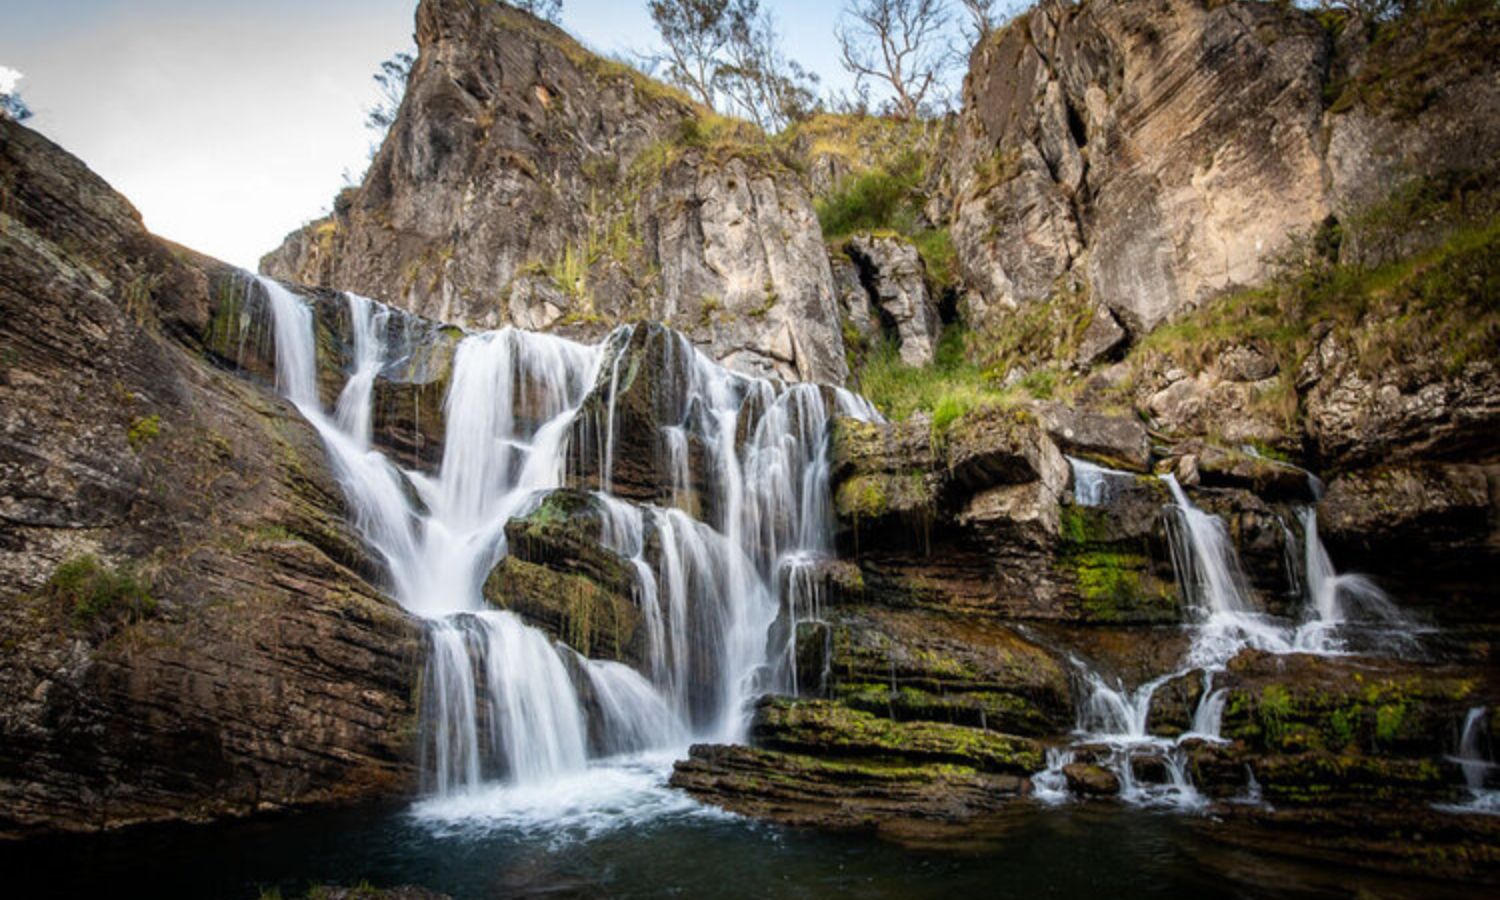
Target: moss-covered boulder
{"type": "Point", "coordinates": [960, 669]}
{"type": "Point", "coordinates": [1347, 705]}
{"type": "Point", "coordinates": [827, 728]}
{"type": "Point", "coordinates": [560, 578]}
{"type": "Point", "coordinates": [892, 799]}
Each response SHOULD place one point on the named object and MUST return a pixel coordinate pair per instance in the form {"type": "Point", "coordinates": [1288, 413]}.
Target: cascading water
{"type": "Point", "coordinates": [1476, 758]}
{"type": "Point", "coordinates": [502, 700]}
{"type": "Point", "coordinates": [1224, 623]}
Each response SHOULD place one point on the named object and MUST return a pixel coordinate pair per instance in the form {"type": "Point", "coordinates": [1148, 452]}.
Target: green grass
{"type": "Point", "coordinates": [950, 388]}
{"type": "Point", "coordinates": [1441, 305]}
{"type": "Point", "coordinates": [888, 199]}
{"type": "Point", "coordinates": [98, 595]}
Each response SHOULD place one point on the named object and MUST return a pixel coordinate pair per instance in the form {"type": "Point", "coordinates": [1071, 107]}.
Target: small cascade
{"type": "Point", "coordinates": [1117, 721]}
{"type": "Point", "coordinates": [1208, 718]}
{"type": "Point", "coordinates": [1208, 569]}
{"type": "Point", "coordinates": [1214, 585]}
{"type": "Point", "coordinates": [503, 701]}
{"type": "Point", "coordinates": [1334, 600]}
{"type": "Point", "coordinates": [1095, 485]}
{"type": "Point", "coordinates": [1050, 786]}
{"type": "Point", "coordinates": [1477, 760]}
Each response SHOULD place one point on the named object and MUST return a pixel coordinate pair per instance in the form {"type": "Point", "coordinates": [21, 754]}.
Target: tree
{"type": "Point", "coordinates": [392, 79]}
{"type": "Point", "coordinates": [759, 82]}
{"type": "Point", "coordinates": [551, 10]}
{"type": "Point", "coordinates": [695, 33]}
{"type": "Point", "coordinates": [899, 43]}
{"type": "Point", "coordinates": [726, 54]}
{"type": "Point", "coordinates": [11, 105]}
{"type": "Point", "coordinates": [986, 16]}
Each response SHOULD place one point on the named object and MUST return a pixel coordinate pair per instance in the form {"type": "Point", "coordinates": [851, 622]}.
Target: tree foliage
{"type": "Point", "coordinates": [391, 79]}
{"type": "Point", "coordinates": [726, 54]}
{"type": "Point", "coordinates": [551, 10]}
{"type": "Point", "coordinates": [11, 104]}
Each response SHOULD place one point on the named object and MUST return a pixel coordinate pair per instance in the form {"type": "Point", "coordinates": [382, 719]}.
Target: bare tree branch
{"type": "Point", "coordinates": [899, 43]}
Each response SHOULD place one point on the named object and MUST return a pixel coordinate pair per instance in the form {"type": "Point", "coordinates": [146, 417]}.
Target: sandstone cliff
{"type": "Point", "coordinates": [1150, 156]}
{"type": "Point", "coordinates": [188, 630]}
{"type": "Point", "coordinates": [528, 181]}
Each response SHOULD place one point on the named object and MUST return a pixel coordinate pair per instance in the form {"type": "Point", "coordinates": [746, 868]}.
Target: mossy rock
{"type": "Point", "coordinates": [826, 728]}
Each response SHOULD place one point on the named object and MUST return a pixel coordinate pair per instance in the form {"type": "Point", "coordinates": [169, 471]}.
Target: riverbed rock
{"type": "Point", "coordinates": [932, 666]}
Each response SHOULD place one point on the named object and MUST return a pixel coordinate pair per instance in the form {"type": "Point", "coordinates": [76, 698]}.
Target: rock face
{"type": "Point", "coordinates": [528, 182]}
{"type": "Point", "coordinates": [893, 275]}
{"type": "Point", "coordinates": [188, 627]}
{"type": "Point", "coordinates": [1159, 154]}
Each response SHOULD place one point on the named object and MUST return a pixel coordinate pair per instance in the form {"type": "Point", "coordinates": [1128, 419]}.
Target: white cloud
{"type": "Point", "coordinates": [8, 79]}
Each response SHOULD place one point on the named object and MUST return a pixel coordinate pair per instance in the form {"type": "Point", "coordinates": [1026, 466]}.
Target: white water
{"type": "Point", "coordinates": [504, 704]}
{"type": "Point", "coordinates": [1478, 765]}
{"type": "Point", "coordinates": [1224, 621]}
{"type": "Point", "coordinates": [1095, 485]}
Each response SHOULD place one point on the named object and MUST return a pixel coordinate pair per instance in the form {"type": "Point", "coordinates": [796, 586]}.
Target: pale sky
{"type": "Point", "coordinates": [229, 124]}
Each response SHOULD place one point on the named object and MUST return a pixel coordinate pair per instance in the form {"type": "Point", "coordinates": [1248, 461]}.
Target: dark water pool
{"type": "Point", "coordinates": [607, 837]}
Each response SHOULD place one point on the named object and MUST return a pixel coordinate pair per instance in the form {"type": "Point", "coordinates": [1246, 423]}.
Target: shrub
{"type": "Point", "coordinates": [100, 597]}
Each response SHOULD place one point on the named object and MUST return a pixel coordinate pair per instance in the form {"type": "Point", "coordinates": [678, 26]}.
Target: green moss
{"type": "Point", "coordinates": [1274, 710]}
{"type": "Point", "coordinates": [99, 596]}
{"type": "Point", "coordinates": [142, 432]}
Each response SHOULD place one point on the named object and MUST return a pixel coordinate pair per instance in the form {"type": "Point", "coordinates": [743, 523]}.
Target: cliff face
{"type": "Point", "coordinates": [187, 631]}
{"type": "Point", "coordinates": [1158, 154]}
{"type": "Point", "coordinates": [528, 181]}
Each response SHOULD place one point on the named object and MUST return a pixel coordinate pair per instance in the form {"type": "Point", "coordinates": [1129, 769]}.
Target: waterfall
{"type": "Point", "coordinates": [501, 700]}
{"type": "Point", "coordinates": [1214, 585]}
{"type": "Point", "coordinates": [1476, 758]}
{"type": "Point", "coordinates": [1094, 485]}
{"type": "Point", "coordinates": [1335, 600]}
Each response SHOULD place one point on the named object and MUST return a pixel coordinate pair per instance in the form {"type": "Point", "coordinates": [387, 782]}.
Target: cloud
{"type": "Point", "coordinates": [8, 79]}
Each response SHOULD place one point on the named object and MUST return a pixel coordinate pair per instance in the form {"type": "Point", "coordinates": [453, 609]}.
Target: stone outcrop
{"type": "Point", "coordinates": [980, 518]}
{"type": "Point", "coordinates": [527, 181]}
{"type": "Point", "coordinates": [189, 630]}
{"type": "Point", "coordinates": [896, 282]}
{"type": "Point", "coordinates": [1157, 154]}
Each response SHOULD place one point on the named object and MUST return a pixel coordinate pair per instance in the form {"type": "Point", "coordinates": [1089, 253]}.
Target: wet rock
{"type": "Point", "coordinates": [826, 728]}
{"type": "Point", "coordinates": [1387, 507]}
{"type": "Point", "coordinates": [931, 666]}
{"type": "Point", "coordinates": [1089, 780]}
{"type": "Point", "coordinates": [597, 622]}
{"type": "Point", "coordinates": [896, 281]}
{"type": "Point", "coordinates": [1114, 441]}
{"type": "Point", "coordinates": [1002, 446]}
{"type": "Point", "coordinates": [1301, 703]}
{"type": "Point", "coordinates": [895, 800]}
{"type": "Point", "coordinates": [1221, 467]}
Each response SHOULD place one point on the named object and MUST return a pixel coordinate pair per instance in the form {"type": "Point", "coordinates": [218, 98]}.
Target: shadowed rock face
{"type": "Point", "coordinates": [528, 182]}
{"type": "Point", "coordinates": [265, 671]}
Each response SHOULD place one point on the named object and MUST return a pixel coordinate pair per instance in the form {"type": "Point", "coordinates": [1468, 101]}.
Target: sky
{"type": "Point", "coordinates": [230, 124]}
